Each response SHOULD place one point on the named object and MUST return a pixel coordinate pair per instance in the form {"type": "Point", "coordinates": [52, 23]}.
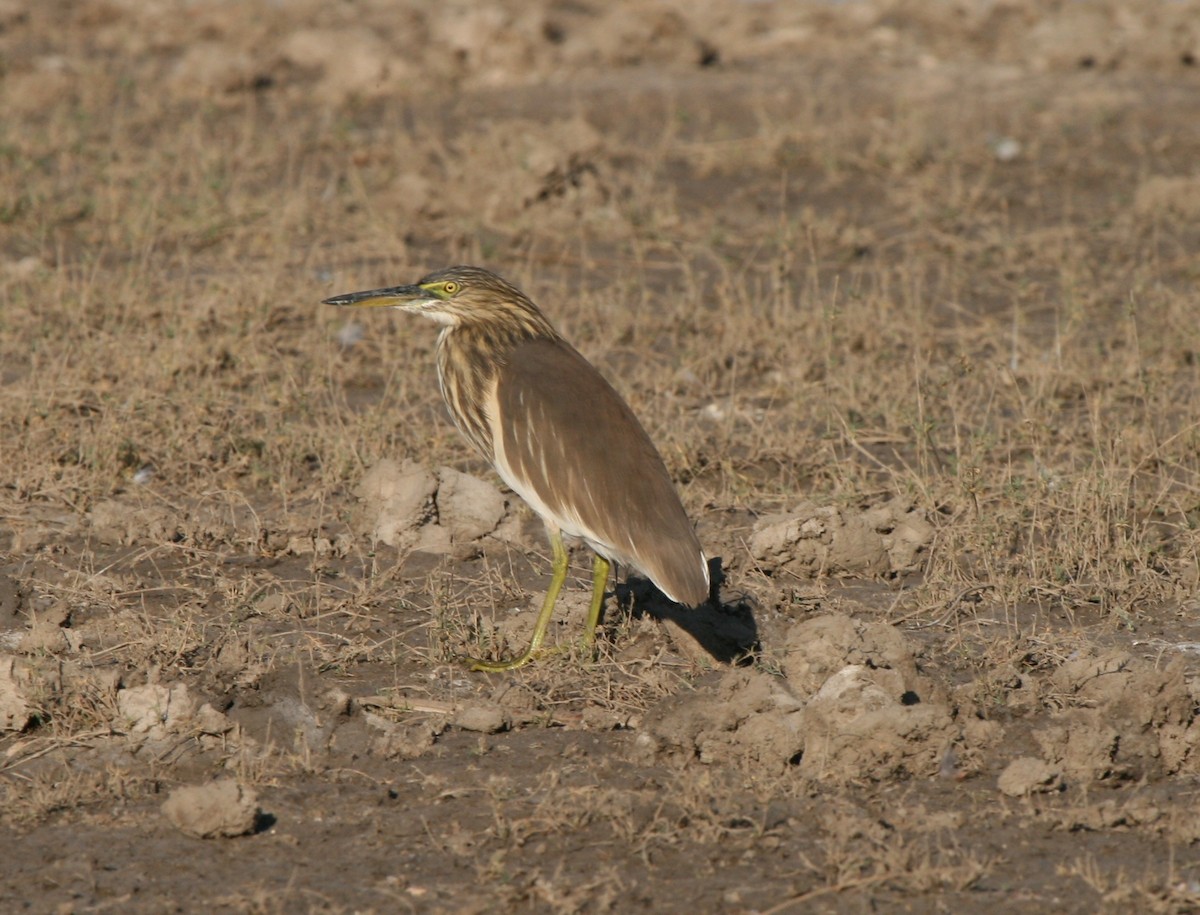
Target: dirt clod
{"type": "Point", "coordinates": [16, 712]}
{"type": "Point", "coordinates": [1028, 775]}
{"type": "Point", "coordinates": [903, 293]}
{"type": "Point", "coordinates": [468, 507]}
{"type": "Point", "coordinates": [827, 540]}
{"type": "Point", "coordinates": [413, 508]}
{"type": "Point", "coordinates": [851, 706]}
{"type": "Point", "coordinates": [47, 629]}
{"type": "Point", "coordinates": [858, 726]}
{"type": "Point", "coordinates": [221, 808]}
{"type": "Point", "coordinates": [486, 718]}
{"type": "Point", "coordinates": [394, 502]}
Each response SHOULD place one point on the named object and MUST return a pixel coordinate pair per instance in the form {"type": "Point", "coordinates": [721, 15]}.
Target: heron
{"type": "Point", "coordinates": [557, 433]}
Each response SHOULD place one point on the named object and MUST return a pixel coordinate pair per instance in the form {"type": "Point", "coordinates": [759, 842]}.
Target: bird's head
{"type": "Point", "coordinates": [456, 297]}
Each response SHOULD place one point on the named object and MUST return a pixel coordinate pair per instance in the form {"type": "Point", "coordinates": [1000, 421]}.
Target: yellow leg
{"type": "Point", "coordinates": [543, 620]}
{"type": "Point", "coordinates": [599, 580]}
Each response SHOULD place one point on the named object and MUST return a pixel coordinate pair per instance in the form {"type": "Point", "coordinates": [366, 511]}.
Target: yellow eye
{"type": "Point", "coordinates": [450, 287]}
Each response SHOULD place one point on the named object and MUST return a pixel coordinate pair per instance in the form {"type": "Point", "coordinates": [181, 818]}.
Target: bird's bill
{"type": "Point", "coordinates": [391, 297]}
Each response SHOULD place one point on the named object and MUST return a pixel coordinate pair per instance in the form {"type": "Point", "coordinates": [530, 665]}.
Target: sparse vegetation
{"type": "Point", "coordinates": [852, 255]}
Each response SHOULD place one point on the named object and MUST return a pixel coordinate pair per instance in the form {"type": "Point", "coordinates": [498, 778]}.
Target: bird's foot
{"type": "Point", "coordinates": [499, 667]}
{"type": "Point", "coordinates": [586, 647]}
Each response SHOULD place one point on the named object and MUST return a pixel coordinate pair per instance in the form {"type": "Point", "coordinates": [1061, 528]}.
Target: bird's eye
{"type": "Point", "coordinates": [450, 288]}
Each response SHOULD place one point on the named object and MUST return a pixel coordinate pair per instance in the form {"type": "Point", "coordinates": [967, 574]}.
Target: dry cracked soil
{"type": "Point", "coordinates": [905, 293]}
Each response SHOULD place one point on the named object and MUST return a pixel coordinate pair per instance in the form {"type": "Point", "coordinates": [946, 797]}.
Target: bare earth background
{"type": "Point", "coordinates": [904, 291]}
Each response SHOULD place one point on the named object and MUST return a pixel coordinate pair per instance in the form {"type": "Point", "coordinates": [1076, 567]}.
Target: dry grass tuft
{"type": "Point", "coordinates": [833, 255]}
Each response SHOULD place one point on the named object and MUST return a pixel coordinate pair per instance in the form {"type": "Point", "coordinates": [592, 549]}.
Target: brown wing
{"type": "Point", "coordinates": [577, 453]}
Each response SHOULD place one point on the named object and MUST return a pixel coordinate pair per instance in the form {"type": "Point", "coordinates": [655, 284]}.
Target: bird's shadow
{"type": "Point", "coordinates": [727, 630]}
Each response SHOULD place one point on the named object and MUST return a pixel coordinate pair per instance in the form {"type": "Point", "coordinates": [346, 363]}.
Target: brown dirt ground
{"type": "Point", "coordinates": [904, 291]}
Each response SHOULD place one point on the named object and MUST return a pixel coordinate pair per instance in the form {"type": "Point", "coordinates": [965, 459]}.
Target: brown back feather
{"type": "Point", "coordinates": [588, 458]}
